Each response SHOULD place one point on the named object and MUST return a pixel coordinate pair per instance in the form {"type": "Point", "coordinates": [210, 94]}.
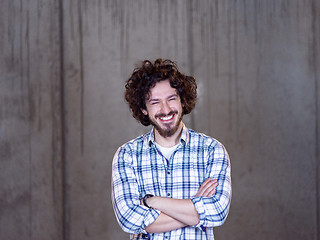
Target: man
{"type": "Point", "coordinates": [171, 183]}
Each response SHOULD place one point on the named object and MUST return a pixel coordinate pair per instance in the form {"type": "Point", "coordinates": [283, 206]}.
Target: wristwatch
{"type": "Point", "coordinates": [144, 199]}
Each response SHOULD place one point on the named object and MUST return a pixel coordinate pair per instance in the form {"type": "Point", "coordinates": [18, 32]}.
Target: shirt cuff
{"type": "Point", "coordinates": [151, 216]}
{"type": "Point", "coordinates": [198, 203]}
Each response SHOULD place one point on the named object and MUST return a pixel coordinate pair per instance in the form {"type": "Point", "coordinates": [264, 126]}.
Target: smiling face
{"type": "Point", "coordinates": [164, 109]}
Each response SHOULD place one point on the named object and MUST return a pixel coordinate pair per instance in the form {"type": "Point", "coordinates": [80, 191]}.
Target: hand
{"type": "Point", "coordinates": [208, 188]}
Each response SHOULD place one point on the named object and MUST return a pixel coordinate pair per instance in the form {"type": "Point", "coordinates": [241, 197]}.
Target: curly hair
{"type": "Point", "coordinates": [147, 75]}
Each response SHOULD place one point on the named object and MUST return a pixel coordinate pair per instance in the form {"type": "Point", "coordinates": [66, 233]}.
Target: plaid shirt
{"type": "Point", "coordinates": [139, 168]}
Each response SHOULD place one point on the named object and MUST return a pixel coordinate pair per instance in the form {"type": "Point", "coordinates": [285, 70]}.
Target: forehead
{"type": "Point", "coordinates": [162, 89]}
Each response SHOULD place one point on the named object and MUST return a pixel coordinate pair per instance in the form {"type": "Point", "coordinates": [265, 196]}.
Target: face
{"type": "Point", "coordinates": [164, 108]}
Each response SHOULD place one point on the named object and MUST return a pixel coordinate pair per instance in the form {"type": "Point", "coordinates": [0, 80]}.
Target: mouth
{"type": "Point", "coordinates": [167, 118]}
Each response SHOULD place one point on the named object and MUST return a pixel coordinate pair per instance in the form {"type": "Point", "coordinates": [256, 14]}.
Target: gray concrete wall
{"type": "Point", "coordinates": [31, 203]}
{"type": "Point", "coordinates": [62, 115]}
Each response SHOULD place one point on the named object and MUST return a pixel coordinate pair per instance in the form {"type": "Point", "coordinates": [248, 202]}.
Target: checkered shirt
{"type": "Point", "coordinates": [139, 168]}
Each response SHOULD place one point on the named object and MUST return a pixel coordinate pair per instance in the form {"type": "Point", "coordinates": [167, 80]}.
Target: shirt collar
{"type": "Point", "coordinates": [183, 138]}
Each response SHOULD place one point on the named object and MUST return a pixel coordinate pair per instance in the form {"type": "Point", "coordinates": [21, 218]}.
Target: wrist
{"type": "Point", "coordinates": [144, 200]}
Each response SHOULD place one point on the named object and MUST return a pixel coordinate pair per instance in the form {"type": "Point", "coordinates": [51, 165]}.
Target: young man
{"type": "Point", "coordinates": [171, 183]}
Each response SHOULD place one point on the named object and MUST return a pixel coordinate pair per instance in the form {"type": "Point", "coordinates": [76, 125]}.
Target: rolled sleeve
{"type": "Point", "coordinates": [214, 210]}
{"type": "Point", "coordinates": [197, 201]}
{"type": "Point", "coordinates": [132, 217]}
{"type": "Point", "coordinates": [134, 220]}
{"type": "Point", "coordinates": [150, 218]}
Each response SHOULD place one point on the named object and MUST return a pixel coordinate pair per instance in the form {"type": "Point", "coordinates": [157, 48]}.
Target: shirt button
{"type": "Point", "coordinates": [168, 194]}
{"type": "Point", "coordinates": [168, 172]}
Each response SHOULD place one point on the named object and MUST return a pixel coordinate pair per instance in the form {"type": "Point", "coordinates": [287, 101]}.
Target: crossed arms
{"type": "Point", "coordinates": [178, 213]}
{"type": "Point", "coordinates": [207, 208]}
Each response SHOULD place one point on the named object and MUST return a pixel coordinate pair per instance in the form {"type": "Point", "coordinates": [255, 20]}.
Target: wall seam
{"type": "Point", "coordinates": [315, 60]}
{"type": "Point", "coordinates": [190, 53]}
{"type": "Point", "coordinates": [81, 77]}
{"type": "Point", "coordinates": [64, 232]}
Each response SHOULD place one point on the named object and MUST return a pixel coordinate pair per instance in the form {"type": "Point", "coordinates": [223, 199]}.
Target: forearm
{"type": "Point", "coordinates": [164, 223]}
{"type": "Point", "coordinates": [183, 210]}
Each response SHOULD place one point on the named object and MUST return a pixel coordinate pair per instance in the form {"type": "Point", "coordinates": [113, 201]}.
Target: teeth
{"type": "Point", "coordinates": [166, 118]}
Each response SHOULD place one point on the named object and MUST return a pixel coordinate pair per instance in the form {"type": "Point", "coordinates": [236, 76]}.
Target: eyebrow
{"type": "Point", "coordinates": [156, 99]}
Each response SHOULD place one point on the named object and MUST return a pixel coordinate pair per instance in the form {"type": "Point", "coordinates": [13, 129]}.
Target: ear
{"type": "Point", "coordinates": [144, 111]}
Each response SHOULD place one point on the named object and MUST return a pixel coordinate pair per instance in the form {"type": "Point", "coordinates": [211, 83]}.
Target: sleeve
{"type": "Point", "coordinates": [213, 210]}
{"type": "Point", "coordinates": [132, 217]}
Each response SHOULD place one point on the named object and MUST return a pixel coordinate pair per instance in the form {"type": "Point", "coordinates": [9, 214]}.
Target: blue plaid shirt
{"type": "Point", "coordinates": [139, 168]}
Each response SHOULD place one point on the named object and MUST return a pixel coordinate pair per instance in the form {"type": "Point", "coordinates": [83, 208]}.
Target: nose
{"type": "Point", "coordinates": [165, 107]}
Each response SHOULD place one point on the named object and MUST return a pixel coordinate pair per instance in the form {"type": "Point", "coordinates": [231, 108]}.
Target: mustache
{"type": "Point", "coordinates": [161, 115]}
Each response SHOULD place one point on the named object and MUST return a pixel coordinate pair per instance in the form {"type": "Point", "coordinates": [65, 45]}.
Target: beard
{"type": "Point", "coordinates": [168, 130]}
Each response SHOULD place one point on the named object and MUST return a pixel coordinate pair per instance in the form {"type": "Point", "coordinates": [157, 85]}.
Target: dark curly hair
{"type": "Point", "coordinates": [147, 75]}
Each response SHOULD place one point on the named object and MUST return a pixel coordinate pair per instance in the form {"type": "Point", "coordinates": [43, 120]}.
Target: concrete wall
{"type": "Point", "coordinates": [31, 202]}
{"type": "Point", "coordinates": [62, 115]}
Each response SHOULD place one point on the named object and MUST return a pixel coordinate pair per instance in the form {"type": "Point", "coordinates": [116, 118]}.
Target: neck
{"type": "Point", "coordinates": [168, 141]}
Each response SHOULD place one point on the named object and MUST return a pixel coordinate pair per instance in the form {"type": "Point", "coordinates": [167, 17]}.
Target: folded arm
{"type": "Point", "coordinates": [178, 213]}
{"type": "Point", "coordinates": [210, 206]}
{"type": "Point", "coordinates": [213, 211]}
{"type": "Point", "coordinates": [164, 223]}
{"type": "Point", "coordinates": [131, 215]}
